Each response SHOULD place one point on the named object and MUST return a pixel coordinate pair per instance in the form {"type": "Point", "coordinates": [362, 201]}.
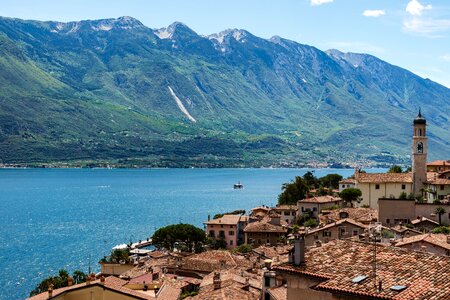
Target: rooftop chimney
{"type": "Point", "coordinates": [299, 251]}
{"type": "Point", "coordinates": [216, 281]}
{"type": "Point", "coordinates": [448, 239]}
{"type": "Point", "coordinates": [102, 279]}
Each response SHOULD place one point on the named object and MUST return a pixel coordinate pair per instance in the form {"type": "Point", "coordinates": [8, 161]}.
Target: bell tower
{"type": "Point", "coordinates": [419, 153]}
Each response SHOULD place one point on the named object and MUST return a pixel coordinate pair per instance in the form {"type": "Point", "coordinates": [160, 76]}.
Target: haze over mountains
{"type": "Point", "coordinates": [116, 91]}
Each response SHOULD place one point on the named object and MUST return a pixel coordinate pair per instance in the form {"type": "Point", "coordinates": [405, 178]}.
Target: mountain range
{"type": "Point", "coordinates": [116, 92]}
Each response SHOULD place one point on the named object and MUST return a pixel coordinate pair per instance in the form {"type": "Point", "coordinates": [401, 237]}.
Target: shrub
{"type": "Point", "coordinates": [441, 229]}
{"type": "Point", "coordinates": [403, 196]}
{"type": "Point", "coordinates": [311, 223]}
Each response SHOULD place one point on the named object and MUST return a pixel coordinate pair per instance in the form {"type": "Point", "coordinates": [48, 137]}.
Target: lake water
{"type": "Point", "coordinates": [58, 218]}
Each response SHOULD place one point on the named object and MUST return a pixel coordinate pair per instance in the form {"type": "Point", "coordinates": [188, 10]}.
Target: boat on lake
{"type": "Point", "coordinates": [238, 186]}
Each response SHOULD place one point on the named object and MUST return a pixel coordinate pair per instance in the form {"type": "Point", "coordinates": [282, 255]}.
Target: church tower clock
{"type": "Point", "coordinates": [419, 154]}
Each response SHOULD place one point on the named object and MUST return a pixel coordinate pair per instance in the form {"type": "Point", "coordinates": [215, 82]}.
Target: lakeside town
{"type": "Point", "coordinates": [369, 236]}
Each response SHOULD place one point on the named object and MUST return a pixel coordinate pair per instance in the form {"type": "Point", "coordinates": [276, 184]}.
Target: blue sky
{"type": "Point", "coordinates": [413, 34]}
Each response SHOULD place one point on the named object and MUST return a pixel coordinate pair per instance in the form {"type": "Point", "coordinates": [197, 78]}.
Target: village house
{"type": "Point", "coordinates": [424, 224]}
{"type": "Point", "coordinates": [341, 229]}
{"type": "Point", "coordinates": [229, 228]}
{"type": "Point", "coordinates": [359, 214]}
{"type": "Point", "coordinates": [346, 183]}
{"type": "Point", "coordinates": [394, 211]}
{"type": "Point", "coordinates": [315, 205]}
{"type": "Point", "coordinates": [438, 186]}
{"type": "Point", "coordinates": [374, 186]}
{"type": "Point", "coordinates": [288, 213]}
{"type": "Point", "coordinates": [266, 231]}
{"type": "Point", "coordinates": [438, 166]}
{"type": "Point", "coordinates": [260, 211]}
{"type": "Point", "coordinates": [108, 288]}
{"type": "Point", "coordinates": [433, 243]}
{"type": "Point", "coordinates": [400, 231]}
{"type": "Point", "coordinates": [344, 269]}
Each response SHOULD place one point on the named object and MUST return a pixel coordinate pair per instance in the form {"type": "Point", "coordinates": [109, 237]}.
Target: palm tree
{"type": "Point", "coordinates": [439, 211]}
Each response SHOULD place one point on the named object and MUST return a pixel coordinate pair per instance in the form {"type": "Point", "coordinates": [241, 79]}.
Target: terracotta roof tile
{"type": "Point", "coordinates": [111, 282]}
{"type": "Point", "coordinates": [439, 240]}
{"type": "Point", "coordinates": [340, 222]}
{"type": "Point", "coordinates": [439, 163]}
{"type": "Point", "coordinates": [278, 293]}
{"type": "Point", "coordinates": [383, 177]}
{"type": "Point", "coordinates": [228, 220]}
{"type": "Point", "coordinates": [320, 199]}
{"type": "Point", "coordinates": [338, 262]}
{"type": "Point", "coordinates": [209, 261]}
{"type": "Point", "coordinates": [264, 226]}
{"type": "Point", "coordinates": [418, 221]}
{"type": "Point", "coordinates": [363, 215]}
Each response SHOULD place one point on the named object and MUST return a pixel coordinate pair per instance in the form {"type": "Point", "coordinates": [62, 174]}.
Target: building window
{"type": "Point", "coordinates": [230, 232]}
{"type": "Point", "coordinates": [221, 226]}
{"type": "Point", "coordinates": [211, 233]}
{"type": "Point", "coordinates": [442, 187]}
{"type": "Point", "coordinates": [355, 232]}
{"type": "Point", "coordinates": [267, 281]}
{"type": "Point", "coordinates": [403, 186]}
{"type": "Point", "coordinates": [377, 186]}
{"type": "Point", "coordinates": [343, 186]}
{"type": "Point", "coordinates": [316, 237]}
{"type": "Point", "coordinates": [420, 147]}
{"type": "Point", "coordinates": [326, 233]}
{"type": "Point", "coordinates": [222, 234]}
{"type": "Point", "coordinates": [286, 213]}
{"type": "Point", "coordinates": [268, 241]}
{"type": "Point", "coordinates": [231, 243]}
{"type": "Point", "coordinates": [387, 221]}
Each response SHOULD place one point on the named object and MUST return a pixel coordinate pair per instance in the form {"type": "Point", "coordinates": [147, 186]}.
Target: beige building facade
{"type": "Point", "coordinates": [374, 186]}
{"type": "Point", "coordinates": [229, 228]}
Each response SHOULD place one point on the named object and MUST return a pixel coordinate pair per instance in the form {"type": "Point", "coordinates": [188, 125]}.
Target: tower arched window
{"type": "Point", "coordinates": [420, 147]}
{"type": "Point", "coordinates": [420, 132]}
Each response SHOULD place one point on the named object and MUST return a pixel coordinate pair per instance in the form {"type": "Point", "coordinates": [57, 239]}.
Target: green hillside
{"type": "Point", "coordinates": [116, 92]}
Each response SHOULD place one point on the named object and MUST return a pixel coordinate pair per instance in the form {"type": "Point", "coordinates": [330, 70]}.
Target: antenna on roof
{"type": "Point", "coordinates": [375, 233]}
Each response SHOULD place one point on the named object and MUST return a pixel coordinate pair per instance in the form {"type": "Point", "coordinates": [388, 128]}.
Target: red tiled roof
{"type": "Point", "coordinates": [264, 226]}
{"type": "Point", "coordinates": [439, 240]}
{"type": "Point", "coordinates": [208, 261]}
{"type": "Point", "coordinates": [347, 181]}
{"type": "Point", "coordinates": [363, 215]}
{"type": "Point", "coordinates": [111, 282]}
{"type": "Point", "coordinates": [338, 262]}
{"type": "Point", "coordinates": [340, 222]}
{"type": "Point", "coordinates": [383, 177]}
{"type": "Point", "coordinates": [439, 163]}
{"type": "Point", "coordinates": [278, 293]}
{"type": "Point", "coordinates": [320, 199]}
{"type": "Point", "coordinates": [228, 220]}
{"type": "Point", "coordinates": [423, 219]}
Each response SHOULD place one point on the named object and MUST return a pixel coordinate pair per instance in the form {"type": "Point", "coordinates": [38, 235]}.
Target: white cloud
{"type": "Point", "coordinates": [426, 26]}
{"type": "Point", "coordinates": [320, 2]}
{"type": "Point", "coordinates": [415, 8]}
{"type": "Point", "coordinates": [374, 13]}
{"type": "Point", "coordinates": [446, 57]}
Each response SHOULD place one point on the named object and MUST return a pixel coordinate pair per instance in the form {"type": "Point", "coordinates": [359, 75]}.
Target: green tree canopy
{"type": "Point", "coordinates": [350, 194]}
{"type": "Point", "coordinates": [440, 211]}
{"type": "Point", "coordinates": [293, 191]}
{"type": "Point", "coordinates": [310, 180]}
{"type": "Point", "coordinates": [58, 281]}
{"type": "Point", "coordinates": [166, 237]}
{"type": "Point", "coordinates": [395, 169]}
{"type": "Point", "coordinates": [330, 180]}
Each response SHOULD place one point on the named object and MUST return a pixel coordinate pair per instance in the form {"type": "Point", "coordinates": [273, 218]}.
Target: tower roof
{"type": "Point", "coordinates": [420, 119]}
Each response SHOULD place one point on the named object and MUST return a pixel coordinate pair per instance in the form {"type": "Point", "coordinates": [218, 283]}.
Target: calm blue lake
{"type": "Point", "coordinates": [57, 218]}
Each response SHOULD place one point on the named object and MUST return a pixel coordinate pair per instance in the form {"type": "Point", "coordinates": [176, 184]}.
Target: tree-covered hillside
{"type": "Point", "coordinates": [114, 91]}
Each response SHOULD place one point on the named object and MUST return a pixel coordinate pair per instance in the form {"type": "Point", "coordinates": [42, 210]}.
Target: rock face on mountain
{"type": "Point", "coordinates": [116, 91]}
